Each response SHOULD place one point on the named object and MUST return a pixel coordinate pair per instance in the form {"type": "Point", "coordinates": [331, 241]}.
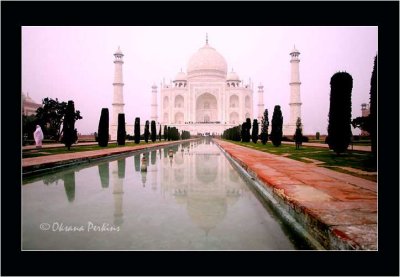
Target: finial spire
{"type": "Point", "coordinates": [207, 38]}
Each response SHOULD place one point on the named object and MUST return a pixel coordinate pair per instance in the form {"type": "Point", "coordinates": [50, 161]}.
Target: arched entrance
{"type": "Point", "coordinates": [206, 108]}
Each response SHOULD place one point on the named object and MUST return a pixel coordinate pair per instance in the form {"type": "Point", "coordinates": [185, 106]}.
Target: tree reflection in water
{"type": "Point", "coordinates": [104, 173]}
{"type": "Point", "coordinates": [69, 185]}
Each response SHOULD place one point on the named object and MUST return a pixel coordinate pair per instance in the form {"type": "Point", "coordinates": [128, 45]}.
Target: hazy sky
{"type": "Point", "coordinates": [76, 63]}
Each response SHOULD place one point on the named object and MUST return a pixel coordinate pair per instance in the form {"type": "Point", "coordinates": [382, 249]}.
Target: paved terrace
{"type": "Point", "coordinates": [30, 165]}
{"type": "Point", "coordinates": [337, 209]}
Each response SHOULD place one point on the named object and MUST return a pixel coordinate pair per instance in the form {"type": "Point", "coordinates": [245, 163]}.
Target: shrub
{"type": "Point", "coordinates": [284, 138]}
{"type": "Point", "coordinates": [185, 135]}
{"type": "Point", "coordinates": [232, 133]}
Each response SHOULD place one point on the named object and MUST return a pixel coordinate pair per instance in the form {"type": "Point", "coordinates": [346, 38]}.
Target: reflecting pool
{"type": "Point", "coordinates": [183, 197]}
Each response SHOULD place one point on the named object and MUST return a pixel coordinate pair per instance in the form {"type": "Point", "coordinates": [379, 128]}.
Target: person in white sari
{"type": "Point", "coordinates": [38, 136]}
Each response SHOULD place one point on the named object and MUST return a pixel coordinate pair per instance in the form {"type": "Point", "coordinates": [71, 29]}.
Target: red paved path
{"type": "Point", "coordinates": [30, 164]}
{"type": "Point", "coordinates": [339, 210]}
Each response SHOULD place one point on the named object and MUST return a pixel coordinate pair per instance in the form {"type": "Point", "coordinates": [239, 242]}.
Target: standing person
{"type": "Point", "coordinates": [38, 135]}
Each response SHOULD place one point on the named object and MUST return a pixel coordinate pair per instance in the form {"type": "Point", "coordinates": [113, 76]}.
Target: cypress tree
{"type": "Point", "coordinates": [137, 130]}
{"type": "Point", "coordinates": [159, 134]}
{"type": "Point", "coordinates": [69, 125]}
{"type": "Point", "coordinates": [168, 133]}
{"type": "Point", "coordinates": [298, 135]}
{"type": "Point", "coordinates": [121, 133]}
{"type": "Point", "coordinates": [254, 131]}
{"type": "Point", "coordinates": [153, 131]}
{"type": "Point", "coordinates": [103, 129]}
{"type": "Point", "coordinates": [264, 127]}
{"type": "Point", "coordinates": [146, 132]}
{"type": "Point", "coordinates": [277, 122]}
{"type": "Point", "coordinates": [248, 127]}
{"type": "Point", "coordinates": [243, 131]}
{"type": "Point", "coordinates": [165, 132]}
{"type": "Point", "coordinates": [339, 126]}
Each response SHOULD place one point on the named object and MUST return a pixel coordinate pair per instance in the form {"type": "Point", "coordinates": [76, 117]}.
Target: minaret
{"type": "Point", "coordinates": [154, 103]}
{"type": "Point", "coordinates": [260, 103]}
{"type": "Point", "coordinates": [295, 101]}
{"type": "Point", "coordinates": [118, 100]}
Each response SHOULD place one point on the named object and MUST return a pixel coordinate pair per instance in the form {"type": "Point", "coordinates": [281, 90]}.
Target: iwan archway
{"type": "Point", "coordinates": [206, 108]}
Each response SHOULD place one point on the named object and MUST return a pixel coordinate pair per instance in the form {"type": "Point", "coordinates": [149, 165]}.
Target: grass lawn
{"type": "Point", "coordinates": [354, 159]}
{"type": "Point", "coordinates": [75, 148]}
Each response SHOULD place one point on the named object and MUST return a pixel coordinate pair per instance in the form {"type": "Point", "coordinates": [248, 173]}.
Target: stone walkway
{"type": "Point", "coordinates": [337, 209]}
{"type": "Point", "coordinates": [30, 165]}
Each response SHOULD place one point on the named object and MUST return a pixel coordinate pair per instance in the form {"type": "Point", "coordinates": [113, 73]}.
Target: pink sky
{"type": "Point", "coordinates": [76, 63]}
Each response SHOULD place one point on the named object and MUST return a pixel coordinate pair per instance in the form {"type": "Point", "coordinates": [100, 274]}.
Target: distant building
{"type": "Point", "coordinates": [365, 111]}
{"type": "Point", "coordinates": [29, 106]}
{"type": "Point", "coordinates": [207, 99]}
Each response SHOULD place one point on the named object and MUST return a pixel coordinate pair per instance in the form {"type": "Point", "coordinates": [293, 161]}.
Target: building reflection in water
{"type": "Point", "coordinates": [104, 173]}
{"type": "Point", "coordinates": [153, 155]}
{"type": "Point", "coordinates": [118, 175]}
{"type": "Point", "coordinates": [143, 167]}
{"type": "Point", "coordinates": [203, 180]}
{"type": "Point", "coordinates": [137, 162]}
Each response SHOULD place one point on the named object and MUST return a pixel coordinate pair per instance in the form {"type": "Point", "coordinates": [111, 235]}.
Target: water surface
{"type": "Point", "coordinates": [191, 200]}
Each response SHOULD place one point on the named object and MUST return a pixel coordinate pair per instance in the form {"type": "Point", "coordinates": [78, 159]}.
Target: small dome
{"type": "Point", "coordinates": [294, 51]}
{"type": "Point", "coordinates": [207, 61]}
{"type": "Point", "coordinates": [232, 76]}
{"type": "Point", "coordinates": [181, 76]}
{"type": "Point", "coordinates": [118, 52]}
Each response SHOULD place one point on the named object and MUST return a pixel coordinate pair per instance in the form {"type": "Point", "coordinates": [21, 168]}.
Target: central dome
{"type": "Point", "coordinates": [207, 61]}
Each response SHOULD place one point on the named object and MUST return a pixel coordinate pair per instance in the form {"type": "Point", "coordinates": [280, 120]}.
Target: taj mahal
{"type": "Point", "coordinates": [207, 99]}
